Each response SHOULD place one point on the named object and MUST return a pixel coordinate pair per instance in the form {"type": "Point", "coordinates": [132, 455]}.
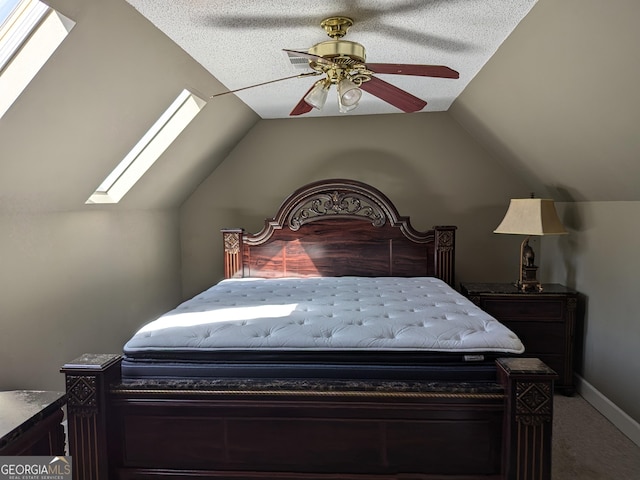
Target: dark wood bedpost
{"type": "Point", "coordinates": [528, 418]}
{"type": "Point", "coordinates": [232, 241]}
{"type": "Point", "coordinates": [444, 253]}
{"type": "Point", "coordinates": [87, 381]}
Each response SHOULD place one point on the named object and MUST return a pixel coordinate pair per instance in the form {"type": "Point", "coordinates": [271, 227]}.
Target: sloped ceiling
{"type": "Point", "coordinates": [103, 88]}
{"type": "Point", "coordinates": [241, 43]}
{"type": "Point", "coordinates": [557, 103]}
{"type": "Point", "coordinates": [560, 103]}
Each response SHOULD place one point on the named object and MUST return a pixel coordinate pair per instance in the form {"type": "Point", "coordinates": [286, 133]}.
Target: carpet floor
{"type": "Point", "coordinates": [586, 446]}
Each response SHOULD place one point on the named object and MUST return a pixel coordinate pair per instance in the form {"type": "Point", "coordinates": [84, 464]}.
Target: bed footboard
{"type": "Point", "coordinates": [301, 429]}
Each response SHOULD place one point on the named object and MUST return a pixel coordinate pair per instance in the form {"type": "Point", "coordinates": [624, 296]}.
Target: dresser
{"type": "Point", "coordinates": [31, 423]}
{"type": "Point", "coordinates": [545, 321]}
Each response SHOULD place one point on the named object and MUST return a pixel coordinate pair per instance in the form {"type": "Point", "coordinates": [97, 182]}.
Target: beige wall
{"type": "Point", "coordinates": [600, 259]}
{"type": "Point", "coordinates": [425, 163]}
{"type": "Point", "coordinates": [558, 102]}
{"type": "Point", "coordinates": [79, 282]}
{"type": "Point", "coordinates": [80, 278]}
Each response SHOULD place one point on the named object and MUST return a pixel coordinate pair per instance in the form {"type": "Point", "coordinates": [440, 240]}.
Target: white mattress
{"type": "Point", "coordinates": [320, 314]}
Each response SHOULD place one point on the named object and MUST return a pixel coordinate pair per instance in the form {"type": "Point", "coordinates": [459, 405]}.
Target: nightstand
{"type": "Point", "coordinates": [31, 423]}
{"type": "Point", "coordinates": [545, 321]}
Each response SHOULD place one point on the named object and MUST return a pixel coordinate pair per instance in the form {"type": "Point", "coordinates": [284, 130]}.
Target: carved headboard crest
{"type": "Point", "coordinates": [335, 204]}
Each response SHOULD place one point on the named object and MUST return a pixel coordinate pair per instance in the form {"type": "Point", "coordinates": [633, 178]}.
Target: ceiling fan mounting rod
{"type": "Point", "coordinates": [336, 27]}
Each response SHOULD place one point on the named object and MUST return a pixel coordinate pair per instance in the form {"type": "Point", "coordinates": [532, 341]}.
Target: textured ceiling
{"type": "Point", "coordinates": [241, 43]}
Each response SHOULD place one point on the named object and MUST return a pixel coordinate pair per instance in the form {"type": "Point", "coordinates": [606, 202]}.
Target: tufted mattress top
{"type": "Point", "coordinates": [326, 314]}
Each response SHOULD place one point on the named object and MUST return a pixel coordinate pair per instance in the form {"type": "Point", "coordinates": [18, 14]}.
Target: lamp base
{"type": "Point", "coordinates": [528, 281]}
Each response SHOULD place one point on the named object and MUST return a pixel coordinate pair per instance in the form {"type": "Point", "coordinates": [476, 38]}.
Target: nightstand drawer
{"type": "Point", "coordinates": [536, 341]}
{"type": "Point", "coordinates": [514, 308]}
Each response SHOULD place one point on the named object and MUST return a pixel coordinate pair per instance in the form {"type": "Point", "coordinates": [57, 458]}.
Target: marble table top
{"type": "Point", "coordinates": [19, 409]}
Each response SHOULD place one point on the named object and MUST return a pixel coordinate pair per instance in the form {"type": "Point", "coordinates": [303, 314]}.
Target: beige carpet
{"type": "Point", "coordinates": [586, 446]}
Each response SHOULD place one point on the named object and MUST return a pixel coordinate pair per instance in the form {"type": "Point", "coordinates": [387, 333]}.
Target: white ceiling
{"type": "Point", "coordinates": [241, 43]}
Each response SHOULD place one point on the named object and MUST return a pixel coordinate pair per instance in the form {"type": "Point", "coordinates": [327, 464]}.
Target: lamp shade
{"type": "Point", "coordinates": [531, 216]}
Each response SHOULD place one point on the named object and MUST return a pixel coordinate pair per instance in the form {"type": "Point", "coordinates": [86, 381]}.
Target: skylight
{"type": "Point", "coordinates": [145, 153]}
{"type": "Point", "coordinates": [30, 32]}
{"type": "Point", "coordinates": [6, 7]}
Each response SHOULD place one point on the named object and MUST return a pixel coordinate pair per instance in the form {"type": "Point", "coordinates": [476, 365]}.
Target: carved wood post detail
{"type": "Point", "coordinates": [444, 249]}
{"type": "Point", "coordinates": [87, 381]}
{"type": "Point", "coordinates": [528, 418]}
{"type": "Point", "coordinates": [232, 240]}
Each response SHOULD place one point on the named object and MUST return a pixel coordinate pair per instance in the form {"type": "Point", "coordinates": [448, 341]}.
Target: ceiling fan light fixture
{"type": "Point", "coordinates": [345, 108]}
{"type": "Point", "coordinates": [317, 96]}
{"type": "Point", "coordinates": [348, 93]}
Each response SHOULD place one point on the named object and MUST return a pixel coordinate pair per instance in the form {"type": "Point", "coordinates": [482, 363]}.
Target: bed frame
{"type": "Point", "coordinates": [315, 429]}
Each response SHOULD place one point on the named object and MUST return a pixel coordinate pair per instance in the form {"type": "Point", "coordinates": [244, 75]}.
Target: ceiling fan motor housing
{"type": "Point", "coordinates": [339, 48]}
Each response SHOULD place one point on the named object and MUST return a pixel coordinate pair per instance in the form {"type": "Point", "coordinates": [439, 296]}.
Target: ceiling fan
{"type": "Point", "coordinates": [342, 63]}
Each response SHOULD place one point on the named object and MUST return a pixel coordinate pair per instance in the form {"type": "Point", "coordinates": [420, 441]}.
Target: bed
{"type": "Point", "coordinates": [366, 365]}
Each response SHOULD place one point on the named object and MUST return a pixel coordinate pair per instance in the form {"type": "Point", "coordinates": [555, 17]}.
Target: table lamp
{"type": "Point", "coordinates": [530, 216]}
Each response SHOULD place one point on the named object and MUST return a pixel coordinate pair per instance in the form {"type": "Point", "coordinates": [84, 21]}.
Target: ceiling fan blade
{"type": "Point", "coordinates": [302, 107]}
{"type": "Point", "coordinates": [310, 56]}
{"type": "Point", "coordinates": [393, 95]}
{"type": "Point", "coordinates": [300, 75]}
{"type": "Point", "coordinates": [419, 70]}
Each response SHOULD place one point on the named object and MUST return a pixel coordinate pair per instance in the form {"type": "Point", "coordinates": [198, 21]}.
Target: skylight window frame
{"type": "Point", "coordinates": [18, 27]}
{"type": "Point", "coordinates": [149, 148]}
{"type": "Point", "coordinates": [29, 35]}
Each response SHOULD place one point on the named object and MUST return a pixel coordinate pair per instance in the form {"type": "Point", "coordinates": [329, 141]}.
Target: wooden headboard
{"type": "Point", "coordinates": [339, 227]}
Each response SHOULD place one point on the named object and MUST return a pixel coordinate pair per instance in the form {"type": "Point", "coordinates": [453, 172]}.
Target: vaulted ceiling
{"type": "Point", "coordinates": [559, 100]}
{"type": "Point", "coordinates": [557, 103]}
{"type": "Point", "coordinates": [242, 42]}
